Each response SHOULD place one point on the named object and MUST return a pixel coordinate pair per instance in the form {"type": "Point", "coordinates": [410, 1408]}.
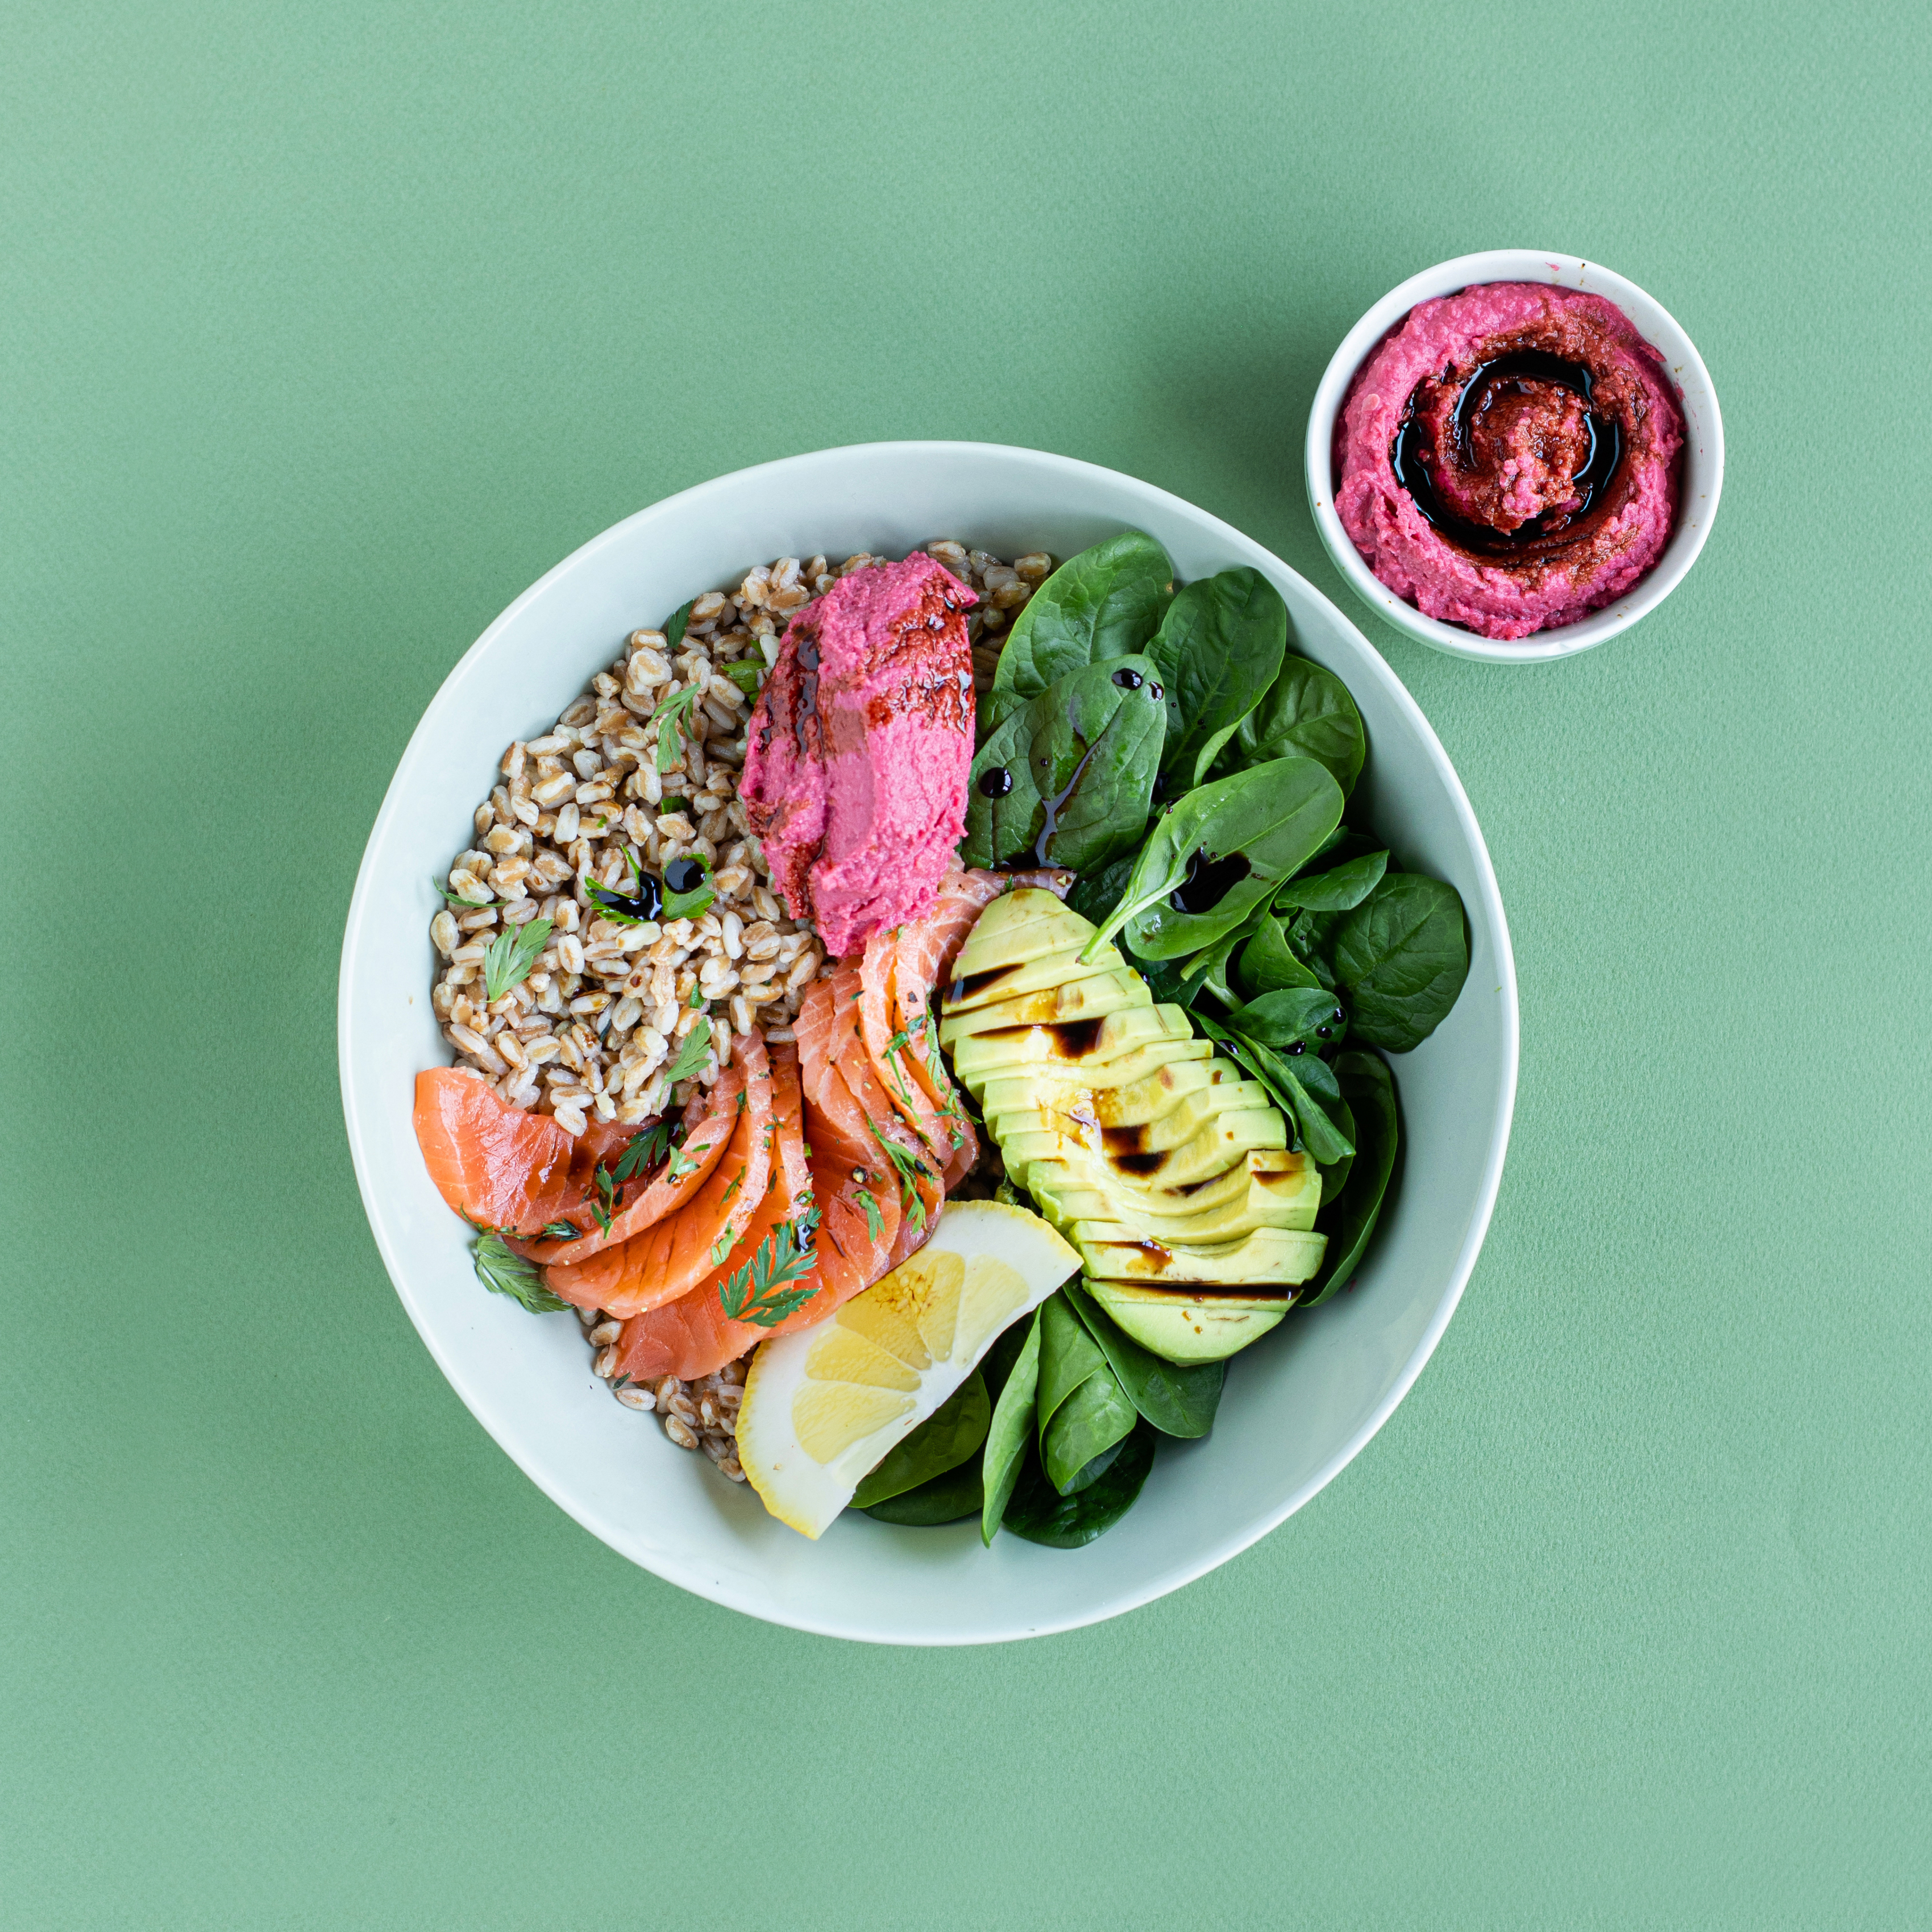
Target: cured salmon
{"type": "Point", "coordinates": [693, 1335]}
{"type": "Point", "coordinates": [494, 1163]}
{"type": "Point", "coordinates": [674, 1254]}
{"type": "Point", "coordinates": [709, 1117]}
{"type": "Point", "coordinates": [948, 1136]}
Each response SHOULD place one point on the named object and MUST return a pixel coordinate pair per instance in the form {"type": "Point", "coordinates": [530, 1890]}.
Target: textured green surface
{"type": "Point", "coordinates": [323, 331]}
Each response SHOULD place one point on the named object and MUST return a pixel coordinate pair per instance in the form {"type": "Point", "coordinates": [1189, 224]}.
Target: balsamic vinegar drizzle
{"type": "Point", "coordinates": [1410, 456]}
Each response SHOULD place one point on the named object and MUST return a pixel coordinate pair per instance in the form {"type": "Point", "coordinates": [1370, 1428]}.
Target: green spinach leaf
{"type": "Point", "coordinates": [947, 1498]}
{"type": "Point", "coordinates": [947, 1437]}
{"type": "Point", "coordinates": [1177, 1401]}
{"type": "Point", "coordinates": [1076, 1446]}
{"type": "Point", "coordinates": [1341, 890]}
{"type": "Point", "coordinates": [1095, 894]}
{"type": "Point", "coordinates": [1311, 938]}
{"type": "Point", "coordinates": [1307, 713]}
{"type": "Point", "coordinates": [1011, 1432]}
{"type": "Point", "coordinates": [1289, 1082]}
{"type": "Point", "coordinates": [1079, 762]}
{"type": "Point", "coordinates": [1273, 817]}
{"type": "Point", "coordinates": [1268, 964]}
{"type": "Point", "coordinates": [1218, 649]}
{"type": "Point", "coordinates": [1297, 1013]}
{"type": "Point", "coordinates": [1348, 1219]}
{"type": "Point", "coordinates": [1106, 602]}
{"type": "Point", "coordinates": [1402, 956]}
{"type": "Point", "coordinates": [1040, 1514]}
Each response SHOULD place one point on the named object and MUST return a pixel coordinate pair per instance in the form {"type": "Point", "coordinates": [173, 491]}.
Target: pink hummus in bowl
{"type": "Point", "coordinates": [1507, 460]}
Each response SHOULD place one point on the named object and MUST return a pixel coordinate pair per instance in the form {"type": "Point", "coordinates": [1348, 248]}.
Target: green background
{"type": "Point", "coordinates": [324, 331]}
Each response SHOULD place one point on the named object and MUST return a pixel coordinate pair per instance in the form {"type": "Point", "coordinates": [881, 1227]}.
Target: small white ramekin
{"type": "Point", "coordinates": [1703, 459]}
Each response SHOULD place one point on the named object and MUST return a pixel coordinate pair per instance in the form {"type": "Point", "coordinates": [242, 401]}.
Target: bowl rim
{"type": "Point", "coordinates": [1706, 467]}
{"type": "Point", "coordinates": [688, 1572]}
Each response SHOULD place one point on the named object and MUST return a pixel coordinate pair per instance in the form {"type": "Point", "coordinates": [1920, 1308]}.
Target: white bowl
{"type": "Point", "coordinates": [1703, 473]}
{"type": "Point", "coordinates": [1298, 1406]}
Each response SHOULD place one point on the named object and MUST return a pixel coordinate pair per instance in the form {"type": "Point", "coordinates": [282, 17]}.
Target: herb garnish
{"type": "Point", "coordinates": [613, 904]}
{"type": "Point", "coordinates": [690, 905]}
{"type": "Point", "coordinates": [757, 1293]}
{"type": "Point", "coordinates": [907, 1168]}
{"type": "Point", "coordinates": [746, 675]}
{"type": "Point", "coordinates": [670, 716]}
{"type": "Point", "coordinates": [875, 1221]}
{"type": "Point", "coordinates": [683, 1166]}
{"type": "Point", "coordinates": [469, 905]}
{"type": "Point", "coordinates": [647, 1148]}
{"type": "Point", "coordinates": [560, 1231]}
{"type": "Point", "coordinates": [675, 623]}
{"type": "Point", "coordinates": [503, 1273]}
{"type": "Point", "coordinates": [691, 1055]}
{"type": "Point", "coordinates": [512, 953]}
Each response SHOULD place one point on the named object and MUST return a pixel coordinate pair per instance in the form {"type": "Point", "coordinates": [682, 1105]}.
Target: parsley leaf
{"type": "Point", "coordinates": [691, 1055]}
{"type": "Point", "coordinates": [503, 1273]}
{"type": "Point", "coordinates": [670, 716]}
{"type": "Point", "coordinates": [875, 1221]}
{"type": "Point", "coordinates": [682, 1167]}
{"type": "Point", "coordinates": [512, 953]}
{"type": "Point", "coordinates": [690, 905]}
{"type": "Point", "coordinates": [675, 623]}
{"type": "Point", "coordinates": [757, 1293]}
{"type": "Point", "coordinates": [746, 674]}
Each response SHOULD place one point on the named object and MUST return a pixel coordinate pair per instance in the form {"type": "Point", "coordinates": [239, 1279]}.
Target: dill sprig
{"type": "Point", "coordinates": [908, 1168]}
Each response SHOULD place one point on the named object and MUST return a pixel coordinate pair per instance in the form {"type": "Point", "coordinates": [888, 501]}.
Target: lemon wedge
{"type": "Point", "coordinates": [823, 1404]}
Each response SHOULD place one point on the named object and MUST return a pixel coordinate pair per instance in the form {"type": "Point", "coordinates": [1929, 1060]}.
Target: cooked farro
{"type": "Point", "coordinates": [593, 1028]}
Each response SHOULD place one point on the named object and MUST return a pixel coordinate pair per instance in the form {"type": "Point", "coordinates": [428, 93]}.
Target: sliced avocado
{"type": "Point", "coordinates": [1186, 1328]}
{"type": "Point", "coordinates": [1074, 1043]}
{"type": "Point", "coordinates": [1052, 1006]}
{"type": "Point", "coordinates": [1093, 1214]}
{"type": "Point", "coordinates": [1215, 1147]}
{"type": "Point", "coordinates": [969, 990]}
{"type": "Point", "coordinates": [1128, 1104]}
{"type": "Point", "coordinates": [1019, 926]}
{"type": "Point", "coordinates": [1084, 1183]}
{"type": "Point", "coordinates": [1014, 1087]}
{"type": "Point", "coordinates": [1269, 1257]}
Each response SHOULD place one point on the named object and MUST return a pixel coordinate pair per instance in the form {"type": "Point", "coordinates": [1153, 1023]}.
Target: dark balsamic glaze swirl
{"type": "Point", "coordinates": [1411, 458]}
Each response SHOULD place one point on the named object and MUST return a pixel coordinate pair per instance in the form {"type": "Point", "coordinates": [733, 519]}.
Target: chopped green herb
{"type": "Point", "coordinates": [696, 999]}
{"type": "Point", "coordinates": [746, 674]}
{"type": "Point", "coordinates": [675, 623]}
{"type": "Point", "coordinates": [503, 1273]}
{"type": "Point", "coordinates": [512, 953]}
{"type": "Point", "coordinates": [737, 1181]}
{"type": "Point", "coordinates": [682, 1166]}
{"type": "Point", "coordinates": [875, 1221]}
{"type": "Point", "coordinates": [670, 716]}
{"type": "Point", "coordinates": [757, 1293]}
{"type": "Point", "coordinates": [907, 1168]}
{"type": "Point", "coordinates": [561, 1231]}
{"type": "Point", "coordinates": [647, 1149]}
{"type": "Point", "coordinates": [691, 1055]}
{"type": "Point", "coordinates": [722, 1246]}
{"type": "Point", "coordinates": [469, 905]}
{"type": "Point", "coordinates": [693, 904]}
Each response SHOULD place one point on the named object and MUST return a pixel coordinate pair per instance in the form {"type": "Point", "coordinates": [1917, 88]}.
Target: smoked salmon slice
{"type": "Point", "coordinates": [709, 1117]}
{"type": "Point", "coordinates": [949, 1138]}
{"type": "Point", "coordinates": [674, 1254]}
{"type": "Point", "coordinates": [693, 1335]}
{"type": "Point", "coordinates": [494, 1163]}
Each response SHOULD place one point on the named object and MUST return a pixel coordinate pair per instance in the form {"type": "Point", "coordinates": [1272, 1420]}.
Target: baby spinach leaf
{"type": "Point", "coordinates": [1273, 817]}
{"type": "Point", "coordinates": [1341, 889]}
{"type": "Point", "coordinates": [1079, 762]}
{"type": "Point", "coordinates": [1402, 954]}
{"type": "Point", "coordinates": [1068, 1355]}
{"type": "Point", "coordinates": [1268, 964]}
{"type": "Point", "coordinates": [1094, 894]}
{"type": "Point", "coordinates": [1095, 1419]}
{"type": "Point", "coordinates": [1335, 1175]}
{"type": "Point", "coordinates": [947, 1437]}
{"type": "Point", "coordinates": [1105, 603]}
{"type": "Point", "coordinates": [1289, 1082]}
{"type": "Point", "coordinates": [945, 1499]}
{"type": "Point", "coordinates": [1011, 1432]}
{"type": "Point", "coordinates": [1218, 649]}
{"type": "Point", "coordinates": [1040, 1514]}
{"type": "Point", "coordinates": [1311, 938]}
{"type": "Point", "coordinates": [1207, 970]}
{"type": "Point", "coordinates": [1278, 1020]}
{"type": "Point", "coordinates": [1306, 712]}
{"type": "Point", "coordinates": [1349, 1219]}
{"type": "Point", "coordinates": [1177, 1401]}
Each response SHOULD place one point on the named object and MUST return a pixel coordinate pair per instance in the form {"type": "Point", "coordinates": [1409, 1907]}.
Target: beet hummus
{"type": "Point", "coordinates": [1508, 458]}
{"type": "Point", "coordinates": [856, 761]}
